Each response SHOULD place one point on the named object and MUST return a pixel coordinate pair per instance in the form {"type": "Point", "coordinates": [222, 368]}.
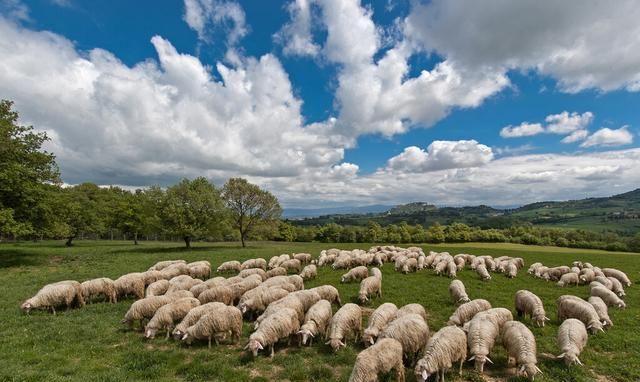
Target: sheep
{"type": "Point", "coordinates": [616, 286]}
{"type": "Point", "coordinates": [255, 263]}
{"type": "Point", "coordinates": [297, 281]}
{"type": "Point", "coordinates": [289, 302]}
{"type": "Point", "coordinates": [602, 310]}
{"type": "Point", "coordinates": [587, 275]}
{"type": "Point", "coordinates": [152, 276]}
{"type": "Point", "coordinates": [411, 309]}
{"type": "Point", "coordinates": [182, 282]}
{"type": "Point", "coordinates": [572, 338]}
{"type": "Point", "coordinates": [458, 292]}
{"type": "Point", "coordinates": [617, 274]}
{"type": "Point", "coordinates": [483, 273]}
{"type": "Point", "coordinates": [175, 270]}
{"type": "Point", "coordinates": [568, 279]}
{"type": "Point", "coordinates": [533, 267]}
{"type": "Point", "coordinates": [199, 269]}
{"type": "Point", "coordinates": [282, 324]}
{"type": "Point", "coordinates": [342, 262]}
{"type": "Point", "coordinates": [411, 265]}
{"type": "Point", "coordinates": [157, 288]}
{"type": "Point", "coordinates": [193, 316]}
{"type": "Point", "coordinates": [306, 297]}
{"type": "Point", "coordinates": [100, 286]}
{"type": "Point", "coordinates": [528, 303]}
{"type": "Point", "coordinates": [329, 293]}
{"type": "Point", "coordinates": [309, 272]}
{"type": "Point", "coordinates": [441, 267]}
{"type": "Point", "coordinates": [240, 288]}
{"type": "Point", "coordinates": [145, 309]}
{"type": "Point", "coordinates": [381, 358]}
{"type": "Point", "coordinates": [260, 302]}
{"type": "Point", "coordinates": [167, 315]}
{"type": "Point", "coordinates": [230, 266]}
{"type": "Point", "coordinates": [66, 293]}
{"type": "Point", "coordinates": [574, 307]}
{"type": "Point", "coordinates": [446, 346]}
{"type": "Point", "coordinates": [511, 270]}
{"type": "Point", "coordinates": [130, 283]}
{"type": "Point", "coordinates": [199, 288]}
{"type": "Point", "coordinates": [555, 273]}
{"type": "Point", "coordinates": [292, 265]}
{"type": "Point", "coordinates": [452, 269]}
{"type": "Point", "coordinates": [466, 311]}
{"type": "Point", "coordinates": [347, 321]}
{"type": "Point", "coordinates": [520, 345]}
{"type": "Point", "coordinates": [371, 286]}
{"type": "Point", "coordinates": [304, 258]}
{"type": "Point", "coordinates": [222, 293]}
{"type": "Point", "coordinates": [355, 274]}
{"type": "Point", "coordinates": [219, 321]}
{"type": "Point", "coordinates": [411, 330]}
{"type": "Point", "coordinates": [164, 264]}
{"type": "Point", "coordinates": [375, 272]}
{"type": "Point", "coordinates": [607, 296]}
{"type": "Point", "coordinates": [253, 271]}
{"type": "Point", "coordinates": [378, 320]}
{"type": "Point", "coordinates": [316, 321]}
{"type": "Point", "coordinates": [604, 281]}
{"type": "Point", "coordinates": [399, 262]}
{"type": "Point", "coordinates": [277, 271]}
{"type": "Point", "coordinates": [481, 337]}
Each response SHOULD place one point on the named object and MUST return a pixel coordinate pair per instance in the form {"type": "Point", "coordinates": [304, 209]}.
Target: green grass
{"type": "Point", "coordinates": [90, 345]}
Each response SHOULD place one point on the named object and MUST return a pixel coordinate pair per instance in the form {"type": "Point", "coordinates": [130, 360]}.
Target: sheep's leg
{"type": "Point", "coordinates": [53, 310]}
{"type": "Point", "coordinates": [400, 372]}
{"type": "Point", "coordinates": [168, 334]}
{"type": "Point", "coordinates": [461, 361]}
{"type": "Point", "coordinates": [209, 342]}
{"type": "Point", "coordinates": [272, 352]}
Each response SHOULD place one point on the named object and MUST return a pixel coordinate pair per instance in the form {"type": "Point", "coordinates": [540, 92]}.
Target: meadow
{"type": "Point", "coordinates": [90, 344]}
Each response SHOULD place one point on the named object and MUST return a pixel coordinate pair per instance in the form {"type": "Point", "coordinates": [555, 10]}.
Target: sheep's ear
{"type": "Point", "coordinates": [186, 335]}
{"type": "Point", "coordinates": [472, 358]}
{"type": "Point", "coordinates": [540, 371]}
{"type": "Point", "coordinates": [311, 334]}
{"type": "Point", "coordinates": [342, 344]}
{"type": "Point", "coordinates": [328, 342]}
{"type": "Point", "coordinates": [489, 360]}
{"type": "Point", "coordinates": [299, 332]}
{"type": "Point", "coordinates": [260, 347]}
{"type": "Point", "coordinates": [561, 355]}
{"type": "Point", "coordinates": [547, 318]}
{"type": "Point", "coordinates": [371, 340]}
{"type": "Point", "coordinates": [589, 327]}
{"type": "Point", "coordinates": [522, 369]}
{"type": "Point", "coordinates": [425, 375]}
{"type": "Point", "coordinates": [602, 330]}
{"type": "Point", "coordinates": [245, 348]}
{"type": "Point", "coordinates": [579, 362]}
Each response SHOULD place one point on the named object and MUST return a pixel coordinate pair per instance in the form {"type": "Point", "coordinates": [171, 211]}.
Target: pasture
{"type": "Point", "coordinates": [90, 344]}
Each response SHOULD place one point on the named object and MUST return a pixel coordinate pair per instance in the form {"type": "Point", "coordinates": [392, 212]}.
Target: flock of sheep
{"type": "Point", "coordinates": [180, 299]}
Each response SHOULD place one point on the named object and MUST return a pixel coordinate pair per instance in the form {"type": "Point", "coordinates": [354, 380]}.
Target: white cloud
{"type": "Point", "coordinates": [296, 35]}
{"type": "Point", "coordinates": [524, 129]}
{"type": "Point", "coordinates": [14, 10]}
{"type": "Point", "coordinates": [565, 123]}
{"type": "Point", "coordinates": [576, 136]}
{"type": "Point", "coordinates": [201, 14]}
{"type": "Point", "coordinates": [441, 155]}
{"type": "Point", "coordinates": [609, 137]}
{"type": "Point", "coordinates": [582, 46]}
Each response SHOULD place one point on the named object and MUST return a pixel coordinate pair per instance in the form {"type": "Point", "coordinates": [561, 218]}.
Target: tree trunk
{"type": "Point", "coordinates": [135, 238]}
{"type": "Point", "coordinates": [69, 241]}
{"type": "Point", "coordinates": [187, 241]}
{"type": "Point", "coordinates": [242, 240]}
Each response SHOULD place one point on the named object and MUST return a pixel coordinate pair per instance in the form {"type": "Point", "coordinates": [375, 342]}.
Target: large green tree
{"type": "Point", "coordinates": [249, 206]}
{"type": "Point", "coordinates": [192, 209]}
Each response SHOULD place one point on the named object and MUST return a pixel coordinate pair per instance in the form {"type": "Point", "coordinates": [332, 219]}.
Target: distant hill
{"type": "Point", "coordinates": [298, 213]}
{"type": "Point", "coordinates": [620, 213]}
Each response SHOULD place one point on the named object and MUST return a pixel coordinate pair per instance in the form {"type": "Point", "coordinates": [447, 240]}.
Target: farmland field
{"type": "Point", "coordinates": [90, 344]}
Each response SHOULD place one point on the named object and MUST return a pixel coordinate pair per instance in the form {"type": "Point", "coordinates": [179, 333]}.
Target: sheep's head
{"type": "Point", "coordinates": [540, 319]}
{"type": "Point", "coordinates": [570, 359]}
{"type": "Point", "coordinates": [177, 334]}
{"type": "Point", "coordinates": [621, 304]}
{"type": "Point", "coordinates": [480, 360]}
{"type": "Point", "coordinates": [595, 327]}
{"type": "Point", "coordinates": [424, 369]}
{"type": "Point", "coordinates": [254, 346]}
{"type": "Point", "coordinates": [336, 344]}
{"type": "Point", "coordinates": [362, 296]}
{"type": "Point", "coordinates": [343, 279]}
{"type": "Point", "coordinates": [26, 306]}
{"type": "Point", "coordinates": [243, 307]}
{"type": "Point", "coordinates": [368, 338]}
{"type": "Point", "coordinates": [529, 370]}
{"type": "Point", "coordinates": [306, 335]}
{"type": "Point", "coordinates": [150, 333]}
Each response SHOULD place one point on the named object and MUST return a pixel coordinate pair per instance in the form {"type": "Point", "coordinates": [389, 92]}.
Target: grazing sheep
{"type": "Point", "coordinates": [446, 346]}
{"type": "Point", "coordinates": [452, 269]}
{"type": "Point", "coordinates": [520, 345]}
{"type": "Point", "coordinates": [145, 309]}
{"type": "Point", "coordinates": [289, 302]}
{"type": "Point", "coordinates": [411, 265]}
{"type": "Point", "coordinates": [378, 320]}
{"type": "Point", "coordinates": [167, 315]}
{"type": "Point", "coordinates": [342, 262]}
{"type": "Point", "coordinates": [277, 271]}
{"type": "Point", "coordinates": [248, 283]}
{"type": "Point", "coordinates": [220, 321]}
{"type": "Point", "coordinates": [554, 274]}
{"type": "Point", "coordinates": [255, 263]}
{"type": "Point", "coordinates": [182, 282]}
{"type": "Point", "coordinates": [253, 271]}
{"type": "Point", "coordinates": [157, 288]}
{"type": "Point", "coordinates": [282, 324]}
{"type": "Point", "coordinates": [194, 315]}
{"type": "Point", "coordinates": [131, 283]}
{"type": "Point", "coordinates": [483, 272]}
{"type": "Point", "coordinates": [329, 293]}
{"type": "Point", "coordinates": [292, 265]}
{"type": "Point", "coordinates": [381, 358]}
{"type": "Point", "coordinates": [466, 311]}
{"type": "Point", "coordinates": [604, 281]}
{"type": "Point", "coordinates": [304, 258]}
{"type": "Point", "coordinates": [616, 286]}
{"type": "Point", "coordinates": [412, 331]}
{"type": "Point", "coordinates": [297, 281]}
{"type": "Point", "coordinates": [230, 266]}
{"type": "Point", "coordinates": [575, 307]}
{"type": "Point", "coordinates": [371, 286]}
{"type": "Point", "coordinates": [511, 270]}
{"type": "Point", "coordinates": [153, 276]}
{"type": "Point", "coordinates": [200, 269]}
{"type": "Point", "coordinates": [481, 337]}
{"type": "Point", "coordinates": [458, 292]}
{"type": "Point", "coordinates": [355, 274]}
{"type": "Point", "coordinates": [572, 338]}
{"type": "Point", "coordinates": [411, 309]}
{"type": "Point", "coordinates": [66, 293]}
{"type": "Point", "coordinates": [497, 315]}
{"type": "Point", "coordinates": [602, 310]}
{"type": "Point", "coordinates": [164, 264]}
{"type": "Point", "coordinates": [221, 293]}
{"type": "Point", "coordinates": [587, 275]}
{"type": "Point", "coordinates": [175, 270]}
{"type": "Point", "coordinates": [533, 267]}
{"type": "Point", "coordinates": [309, 272]}
{"type": "Point", "coordinates": [316, 321]}
{"type": "Point", "coordinates": [442, 267]}
{"type": "Point", "coordinates": [375, 272]}
{"type": "Point", "coordinates": [617, 274]}
{"type": "Point", "coordinates": [261, 300]}
{"type": "Point", "coordinates": [609, 298]}
{"type": "Point", "coordinates": [528, 303]}
{"type": "Point", "coordinates": [347, 321]}
{"type": "Point", "coordinates": [568, 279]}
{"type": "Point", "coordinates": [100, 286]}
{"type": "Point", "coordinates": [199, 288]}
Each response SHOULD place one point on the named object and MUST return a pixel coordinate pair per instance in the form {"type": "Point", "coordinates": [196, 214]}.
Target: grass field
{"type": "Point", "coordinates": [90, 344]}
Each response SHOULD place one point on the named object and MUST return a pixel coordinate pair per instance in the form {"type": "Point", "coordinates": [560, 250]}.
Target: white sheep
{"type": "Point", "coordinates": [146, 308]}
{"type": "Point", "coordinates": [369, 287]}
{"type": "Point", "coordinates": [609, 298]}
{"type": "Point", "coordinates": [497, 315]}
{"type": "Point", "coordinates": [617, 274]}
{"type": "Point", "coordinates": [375, 272]}
{"type": "Point", "coordinates": [66, 293]}
{"type": "Point", "coordinates": [309, 272]}
{"type": "Point", "coordinates": [481, 269]}
{"type": "Point", "coordinates": [292, 265]}
{"type": "Point", "coordinates": [379, 359]}
{"type": "Point", "coordinates": [355, 274]}
{"type": "Point", "coordinates": [572, 338]}
{"type": "Point", "coordinates": [329, 293]}
{"type": "Point", "coordinates": [100, 286]}
{"type": "Point", "coordinates": [130, 283]}
{"type": "Point", "coordinates": [226, 319]}
{"type": "Point", "coordinates": [199, 288]}
{"type": "Point", "coordinates": [568, 279]}
{"type": "Point", "coordinates": [528, 303]}
{"type": "Point", "coordinates": [411, 309]}
{"type": "Point", "coordinates": [520, 345]}
{"type": "Point", "coordinates": [481, 337]}
{"type": "Point", "coordinates": [411, 330]}
{"type": "Point", "coordinates": [575, 307]}
{"type": "Point", "coordinates": [602, 310]}
{"type": "Point", "coordinates": [410, 265]}
{"type": "Point", "coordinates": [194, 315]}
{"type": "Point", "coordinates": [157, 288]}
{"type": "Point", "coordinates": [316, 322]}
{"type": "Point", "coordinates": [160, 265]}
{"type": "Point", "coordinates": [174, 270]}
{"type": "Point", "coordinates": [282, 324]}
{"type": "Point", "coordinates": [259, 301]}
{"type": "Point", "coordinates": [466, 311]}
{"type": "Point", "coordinates": [255, 263]}
{"type": "Point", "coordinates": [446, 346]}
{"type": "Point", "coordinates": [254, 271]}
{"type": "Point", "coordinates": [616, 286]}
{"type": "Point", "coordinates": [199, 269]}
{"type": "Point", "coordinates": [458, 292]}
{"type": "Point", "coordinates": [347, 321]}
{"type": "Point", "coordinates": [277, 271]}
{"type": "Point", "coordinates": [221, 293]}
{"type": "Point", "coordinates": [230, 266]}
{"type": "Point", "coordinates": [304, 258]}
{"type": "Point", "coordinates": [167, 315]}
{"type": "Point", "coordinates": [378, 320]}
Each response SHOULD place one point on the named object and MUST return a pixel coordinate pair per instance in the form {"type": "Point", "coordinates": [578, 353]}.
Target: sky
{"type": "Point", "coordinates": [335, 102]}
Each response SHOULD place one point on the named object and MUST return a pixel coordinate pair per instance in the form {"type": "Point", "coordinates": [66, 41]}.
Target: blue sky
{"type": "Point", "coordinates": [329, 102]}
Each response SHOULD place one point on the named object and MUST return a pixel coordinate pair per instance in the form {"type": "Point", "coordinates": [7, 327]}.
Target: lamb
{"type": "Point", "coordinates": [617, 274]}
{"type": "Point", "coordinates": [194, 315]}
{"type": "Point", "coordinates": [309, 272]}
{"type": "Point", "coordinates": [167, 315]}
{"type": "Point", "coordinates": [282, 324]}
{"type": "Point", "coordinates": [199, 269]}
{"type": "Point", "coordinates": [157, 288]}
{"type": "Point", "coordinates": [277, 271]}
{"type": "Point", "coordinates": [222, 293]}
{"type": "Point", "coordinates": [220, 321]}
{"type": "Point", "coordinates": [482, 271]}
{"type": "Point", "coordinates": [381, 358]}
{"type": "Point", "coordinates": [411, 265]}
{"type": "Point", "coordinates": [292, 265]}
{"type": "Point", "coordinates": [253, 271]}
{"type": "Point", "coordinates": [607, 296]}
{"type": "Point", "coordinates": [100, 286]}
{"type": "Point", "coordinates": [568, 279]}
{"type": "Point", "coordinates": [411, 309]}
{"type": "Point", "coordinates": [316, 321]}
{"type": "Point", "coordinates": [602, 310]}
{"type": "Point", "coordinates": [466, 311]}
{"type": "Point", "coordinates": [520, 344]}
{"type": "Point", "coordinates": [574, 307]}
{"type": "Point", "coordinates": [131, 283]}
{"type": "Point", "coordinates": [329, 293]}
{"type": "Point", "coordinates": [255, 263]}
{"type": "Point", "coordinates": [572, 338]}
{"type": "Point", "coordinates": [378, 320]}
{"type": "Point", "coordinates": [528, 303]}
{"type": "Point", "coordinates": [375, 272]}
{"type": "Point", "coordinates": [164, 264]}
{"type": "Point", "coordinates": [230, 266]}
{"type": "Point", "coordinates": [616, 286]}
{"type": "Point", "coordinates": [411, 330]}
{"type": "Point", "coordinates": [458, 292]}
{"type": "Point", "coordinates": [446, 346]}
{"type": "Point", "coordinates": [481, 337]}
{"type": "Point", "coordinates": [66, 293]}
{"type": "Point", "coordinates": [347, 321]}
{"type": "Point", "coordinates": [371, 286]}
{"type": "Point", "coordinates": [260, 302]}
{"type": "Point", "coordinates": [355, 274]}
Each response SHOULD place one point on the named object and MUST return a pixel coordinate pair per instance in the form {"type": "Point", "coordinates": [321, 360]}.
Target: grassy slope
{"type": "Point", "coordinates": [89, 344]}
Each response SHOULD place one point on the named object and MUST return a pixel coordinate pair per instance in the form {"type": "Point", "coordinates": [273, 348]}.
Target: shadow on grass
{"type": "Point", "coordinates": [9, 258]}
{"type": "Point", "coordinates": [179, 249]}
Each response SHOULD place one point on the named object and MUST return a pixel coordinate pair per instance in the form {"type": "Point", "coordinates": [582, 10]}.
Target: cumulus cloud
{"type": "Point", "coordinates": [14, 9]}
{"type": "Point", "coordinates": [583, 47]}
{"type": "Point", "coordinates": [201, 15]}
{"type": "Point", "coordinates": [571, 124]}
{"type": "Point", "coordinates": [296, 36]}
{"type": "Point", "coordinates": [441, 155]}
{"type": "Point", "coordinates": [609, 137]}
{"type": "Point", "coordinates": [524, 129]}
{"type": "Point", "coordinates": [576, 136]}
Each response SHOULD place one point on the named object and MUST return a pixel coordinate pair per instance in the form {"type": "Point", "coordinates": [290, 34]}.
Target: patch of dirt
{"type": "Point", "coordinates": [602, 378]}
{"type": "Point", "coordinates": [54, 260]}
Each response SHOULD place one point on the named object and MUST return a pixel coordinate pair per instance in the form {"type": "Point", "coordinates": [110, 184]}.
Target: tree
{"type": "Point", "coordinates": [634, 243]}
{"type": "Point", "coordinates": [128, 213]}
{"type": "Point", "coordinates": [192, 209]}
{"type": "Point", "coordinates": [81, 210]}
{"type": "Point", "coordinates": [249, 206]}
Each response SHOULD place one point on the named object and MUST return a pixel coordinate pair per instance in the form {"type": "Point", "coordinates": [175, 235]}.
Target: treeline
{"type": "Point", "coordinates": [457, 233]}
